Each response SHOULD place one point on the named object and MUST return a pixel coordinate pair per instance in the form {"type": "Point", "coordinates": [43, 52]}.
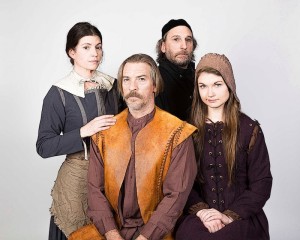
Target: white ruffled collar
{"type": "Point", "coordinates": [74, 83]}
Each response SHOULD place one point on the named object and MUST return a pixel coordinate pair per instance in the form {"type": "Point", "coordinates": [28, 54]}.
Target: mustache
{"type": "Point", "coordinates": [133, 94]}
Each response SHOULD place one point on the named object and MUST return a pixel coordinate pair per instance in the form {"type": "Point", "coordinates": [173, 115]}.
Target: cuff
{"type": "Point", "coordinates": [232, 215]}
{"type": "Point", "coordinates": [151, 231]}
{"type": "Point", "coordinates": [197, 207]}
{"type": "Point", "coordinates": [105, 225]}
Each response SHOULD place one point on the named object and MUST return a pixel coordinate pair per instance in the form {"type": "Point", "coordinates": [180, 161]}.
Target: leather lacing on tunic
{"type": "Point", "coordinates": [215, 166]}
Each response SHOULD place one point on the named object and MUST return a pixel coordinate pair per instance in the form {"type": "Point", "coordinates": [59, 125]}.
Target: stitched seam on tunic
{"type": "Point", "coordinates": [171, 141]}
{"type": "Point", "coordinates": [100, 134]}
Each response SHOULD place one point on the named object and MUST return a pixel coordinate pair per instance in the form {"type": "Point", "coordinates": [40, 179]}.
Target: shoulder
{"type": "Point", "coordinates": [115, 131]}
{"type": "Point", "coordinates": [166, 68]}
{"type": "Point", "coordinates": [52, 94]}
{"type": "Point", "coordinates": [248, 127]}
{"type": "Point", "coordinates": [168, 120]}
{"type": "Point", "coordinates": [122, 115]}
{"type": "Point", "coordinates": [64, 80]}
{"type": "Point", "coordinates": [121, 121]}
{"type": "Point", "coordinates": [52, 100]}
{"type": "Point", "coordinates": [247, 122]}
{"type": "Point", "coordinates": [106, 79]}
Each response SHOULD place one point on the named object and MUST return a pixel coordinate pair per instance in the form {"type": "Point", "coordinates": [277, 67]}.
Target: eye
{"type": "Point", "coordinates": [142, 79]}
{"type": "Point", "coordinates": [125, 79]}
{"type": "Point", "coordinates": [189, 40]}
{"type": "Point", "coordinates": [86, 47]}
{"type": "Point", "coordinates": [176, 39]}
{"type": "Point", "coordinates": [99, 47]}
{"type": "Point", "coordinates": [202, 86]}
{"type": "Point", "coordinates": [218, 84]}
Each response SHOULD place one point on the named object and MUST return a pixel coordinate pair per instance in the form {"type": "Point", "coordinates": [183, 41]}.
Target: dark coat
{"type": "Point", "coordinates": [245, 197]}
{"type": "Point", "coordinates": [177, 94]}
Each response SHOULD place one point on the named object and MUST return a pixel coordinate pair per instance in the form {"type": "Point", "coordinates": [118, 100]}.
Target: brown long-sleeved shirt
{"type": "Point", "coordinates": [176, 187]}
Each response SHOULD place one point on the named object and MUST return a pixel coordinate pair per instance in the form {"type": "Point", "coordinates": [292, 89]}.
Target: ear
{"type": "Point", "coordinates": [154, 89]}
{"type": "Point", "coordinates": [163, 47]}
{"type": "Point", "coordinates": [71, 53]}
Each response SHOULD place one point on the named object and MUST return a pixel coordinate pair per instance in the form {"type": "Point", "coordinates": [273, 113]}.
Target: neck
{"type": "Point", "coordinates": [216, 115]}
{"type": "Point", "coordinates": [84, 72]}
{"type": "Point", "coordinates": [141, 112]}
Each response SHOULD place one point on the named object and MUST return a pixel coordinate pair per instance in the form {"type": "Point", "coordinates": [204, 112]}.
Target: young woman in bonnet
{"type": "Point", "coordinates": [76, 107]}
{"type": "Point", "coordinates": [234, 179]}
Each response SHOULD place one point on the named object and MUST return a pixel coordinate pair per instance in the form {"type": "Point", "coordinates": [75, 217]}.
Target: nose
{"type": "Point", "coordinates": [94, 52]}
{"type": "Point", "coordinates": [183, 44]}
{"type": "Point", "coordinates": [132, 85]}
{"type": "Point", "coordinates": [211, 92]}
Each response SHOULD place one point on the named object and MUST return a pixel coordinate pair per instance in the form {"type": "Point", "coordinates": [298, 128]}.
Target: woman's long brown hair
{"type": "Point", "coordinates": [199, 114]}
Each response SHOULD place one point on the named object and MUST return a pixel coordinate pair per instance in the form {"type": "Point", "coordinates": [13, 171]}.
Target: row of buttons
{"type": "Point", "coordinates": [213, 189]}
{"type": "Point", "coordinates": [214, 201]}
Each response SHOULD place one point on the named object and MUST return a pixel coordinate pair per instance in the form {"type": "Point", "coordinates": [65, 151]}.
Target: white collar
{"type": "Point", "coordinates": [74, 83]}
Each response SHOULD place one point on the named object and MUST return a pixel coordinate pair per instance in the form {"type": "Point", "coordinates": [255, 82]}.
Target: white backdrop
{"type": "Point", "coordinates": [261, 38]}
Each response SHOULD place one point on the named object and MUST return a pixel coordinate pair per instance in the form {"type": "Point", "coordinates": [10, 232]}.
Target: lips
{"type": "Point", "coordinates": [182, 55]}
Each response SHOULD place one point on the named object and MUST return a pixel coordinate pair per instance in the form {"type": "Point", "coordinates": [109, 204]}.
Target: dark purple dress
{"type": "Point", "coordinates": [245, 198]}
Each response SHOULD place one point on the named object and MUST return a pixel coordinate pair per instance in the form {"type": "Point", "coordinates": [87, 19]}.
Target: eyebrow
{"type": "Point", "coordinates": [87, 43]}
{"type": "Point", "coordinates": [143, 75]}
{"type": "Point", "coordinates": [188, 36]}
{"type": "Point", "coordinates": [213, 83]}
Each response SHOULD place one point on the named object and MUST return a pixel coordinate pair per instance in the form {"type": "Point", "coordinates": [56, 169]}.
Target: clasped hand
{"type": "Point", "coordinates": [213, 220]}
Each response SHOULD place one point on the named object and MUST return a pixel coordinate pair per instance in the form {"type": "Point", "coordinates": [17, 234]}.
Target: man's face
{"type": "Point", "coordinates": [178, 46]}
{"type": "Point", "coordinates": [138, 88]}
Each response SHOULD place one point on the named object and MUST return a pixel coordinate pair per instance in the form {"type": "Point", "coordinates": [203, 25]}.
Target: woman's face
{"type": "Point", "coordinates": [87, 54]}
{"type": "Point", "coordinates": [213, 90]}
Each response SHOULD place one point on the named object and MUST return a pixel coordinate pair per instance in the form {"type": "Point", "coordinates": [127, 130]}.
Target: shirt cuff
{"type": "Point", "coordinates": [105, 224]}
{"type": "Point", "coordinates": [232, 215]}
{"type": "Point", "coordinates": [197, 207]}
{"type": "Point", "coordinates": [152, 231]}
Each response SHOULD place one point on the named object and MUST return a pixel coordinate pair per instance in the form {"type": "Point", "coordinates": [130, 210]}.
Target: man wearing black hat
{"type": "Point", "coordinates": [175, 55]}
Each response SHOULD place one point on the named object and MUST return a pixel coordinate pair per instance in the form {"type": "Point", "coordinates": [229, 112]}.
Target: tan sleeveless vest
{"type": "Point", "coordinates": [153, 150]}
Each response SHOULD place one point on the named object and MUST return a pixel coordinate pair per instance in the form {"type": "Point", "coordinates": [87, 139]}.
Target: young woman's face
{"type": "Point", "coordinates": [213, 90]}
{"type": "Point", "coordinates": [87, 54]}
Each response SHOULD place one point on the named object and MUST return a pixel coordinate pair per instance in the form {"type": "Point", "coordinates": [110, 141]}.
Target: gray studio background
{"type": "Point", "coordinates": [260, 37]}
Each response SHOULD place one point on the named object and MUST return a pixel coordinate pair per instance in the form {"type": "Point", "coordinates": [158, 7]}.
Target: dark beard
{"type": "Point", "coordinates": [182, 63]}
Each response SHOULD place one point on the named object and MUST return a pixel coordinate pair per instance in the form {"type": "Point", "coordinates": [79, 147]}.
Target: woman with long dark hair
{"type": "Point", "coordinates": [76, 107]}
{"type": "Point", "coordinates": [234, 179]}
